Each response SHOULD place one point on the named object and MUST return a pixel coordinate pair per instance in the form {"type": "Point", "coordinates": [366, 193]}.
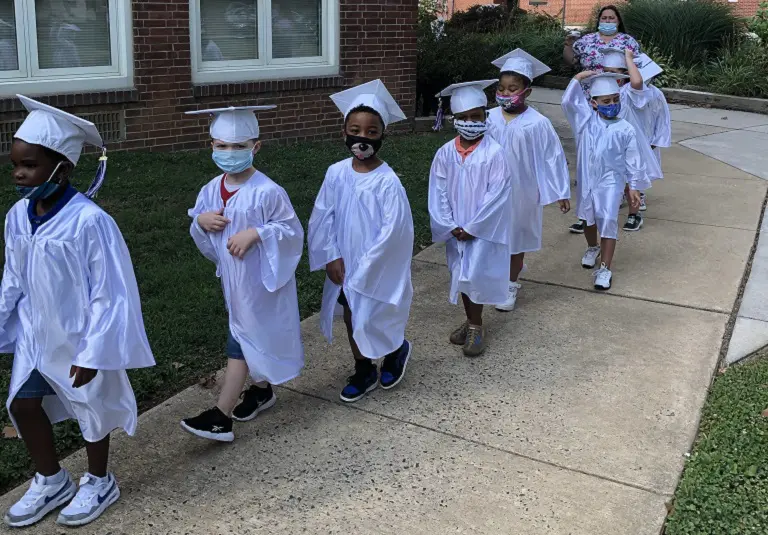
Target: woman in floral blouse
{"type": "Point", "coordinates": [610, 33]}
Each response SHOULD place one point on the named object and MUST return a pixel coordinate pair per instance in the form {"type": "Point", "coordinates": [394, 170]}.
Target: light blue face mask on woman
{"type": "Point", "coordinates": [608, 28]}
{"type": "Point", "coordinates": [233, 161]}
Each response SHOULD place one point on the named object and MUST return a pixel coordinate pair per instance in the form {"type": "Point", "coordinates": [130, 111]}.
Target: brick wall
{"type": "Point", "coordinates": [378, 40]}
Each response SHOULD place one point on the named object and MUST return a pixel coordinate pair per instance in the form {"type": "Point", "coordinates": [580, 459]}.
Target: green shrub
{"type": "Point", "coordinates": [483, 18]}
{"type": "Point", "coordinates": [690, 32]}
{"type": "Point", "coordinates": [759, 23]}
{"type": "Point", "coordinates": [741, 70]}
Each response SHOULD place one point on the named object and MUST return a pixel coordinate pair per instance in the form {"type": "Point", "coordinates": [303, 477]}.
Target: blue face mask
{"type": "Point", "coordinates": [233, 161]}
{"type": "Point", "coordinates": [608, 28]}
{"type": "Point", "coordinates": [43, 191]}
{"type": "Point", "coordinates": [610, 110]}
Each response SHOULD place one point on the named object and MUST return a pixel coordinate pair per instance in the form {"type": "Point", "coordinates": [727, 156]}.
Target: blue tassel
{"type": "Point", "coordinates": [439, 119]}
{"type": "Point", "coordinates": [101, 173]}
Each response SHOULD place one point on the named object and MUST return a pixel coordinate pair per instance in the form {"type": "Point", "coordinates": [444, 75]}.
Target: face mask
{"type": "Point", "coordinates": [470, 130]}
{"type": "Point", "coordinates": [610, 110]}
{"type": "Point", "coordinates": [43, 191]}
{"type": "Point", "coordinates": [608, 28]}
{"type": "Point", "coordinates": [510, 104]}
{"type": "Point", "coordinates": [233, 161]}
{"type": "Point", "coordinates": [363, 148]}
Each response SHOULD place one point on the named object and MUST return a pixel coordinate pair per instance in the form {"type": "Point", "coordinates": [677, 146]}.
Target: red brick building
{"type": "Point", "coordinates": [135, 66]}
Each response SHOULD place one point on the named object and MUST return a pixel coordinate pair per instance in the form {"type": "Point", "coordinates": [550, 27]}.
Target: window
{"type": "Point", "coordinates": [64, 46]}
{"type": "Point", "coordinates": [243, 40]}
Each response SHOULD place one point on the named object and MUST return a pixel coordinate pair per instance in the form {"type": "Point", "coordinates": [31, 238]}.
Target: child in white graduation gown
{"type": "Point", "coordinates": [361, 233]}
{"type": "Point", "coordinates": [244, 223]}
{"type": "Point", "coordinates": [656, 119]}
{"type": "Point", "coordinates": [535, 159]}
{"type": "Point", "coordinates": [469, 209]}
{"type": "Point", "coordinates": [636, 108]}
{"type": "Point", "coordinates": [70, 313]}
{"type": "Point", "coordinates": [608, 157]}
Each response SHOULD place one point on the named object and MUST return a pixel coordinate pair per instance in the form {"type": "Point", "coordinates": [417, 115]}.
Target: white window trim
{"type": "Point", "coordinates": [31, 80]}
{"type": "Point", "coordinates": [265, 68]}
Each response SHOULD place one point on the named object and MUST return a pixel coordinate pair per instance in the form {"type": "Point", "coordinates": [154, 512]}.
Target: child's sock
{"type": "Point", "coordinates": [99, 480]}
{"type": "Point", "coordinates": [56, 478]}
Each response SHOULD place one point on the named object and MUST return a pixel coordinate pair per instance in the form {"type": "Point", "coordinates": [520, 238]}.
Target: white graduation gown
{"type": "Point", "coordinates": [365, 219]}
{"type": "Point", "coordinates": [260, 289]}
{"type": "Point", "coordinates": [636, 109]}
{"type": "Point", "coordinates": [608, 157]}
{"type": "Point", "coordinates": [538, 172]}
{"type": "Point", "coordinates": [69, 297]}
{"type": "Point", "coordinates": [661, 133]}
{"type": "Point", "coordinates": [474, 195]}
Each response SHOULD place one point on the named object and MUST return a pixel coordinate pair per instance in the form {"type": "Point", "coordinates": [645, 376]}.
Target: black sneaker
{"type": "Point", "coordinates": [255, 400]}
{"type": "Point", "coordinates": [634, 222]}
{"type": "Point", "coordinates": [393, 368]}
{"type": "Point", "coordinates": [366, 378]}
{"type": "Point", "coordinates": [211, 424]}
{"type": "Point", "coordinates": [578, 228]}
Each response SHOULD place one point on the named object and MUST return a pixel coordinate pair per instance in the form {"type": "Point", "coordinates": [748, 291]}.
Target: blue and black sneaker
{"type": "Point", "coordinates": [366, 378]}
{"type": "Point", "coordinates": [393, 368]}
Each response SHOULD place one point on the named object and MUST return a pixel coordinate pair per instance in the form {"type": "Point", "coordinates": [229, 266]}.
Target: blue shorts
{"type": "Point", "coordinates": [233, 349]}
{"type": "Point", "coordinates": [35, 387]}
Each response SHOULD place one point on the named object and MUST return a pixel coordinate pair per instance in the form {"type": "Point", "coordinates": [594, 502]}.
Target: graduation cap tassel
{"type": "Point", "coordinates": [439, 119]}
{"type": "Point", "coordinates": [101, 173]}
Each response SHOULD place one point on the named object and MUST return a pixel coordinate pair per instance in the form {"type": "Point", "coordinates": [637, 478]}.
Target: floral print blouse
{"type": "Point", "coordinates": [587, 49]}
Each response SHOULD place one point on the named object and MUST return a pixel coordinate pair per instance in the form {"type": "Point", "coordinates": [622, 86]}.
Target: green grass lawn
{"type": "Point", "coordinates": [149, 194]}
{"type": "Point", "coordinates": [724, 489]}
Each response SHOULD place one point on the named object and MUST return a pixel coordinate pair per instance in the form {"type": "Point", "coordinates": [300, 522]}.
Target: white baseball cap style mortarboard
{"type": "Point", "coordinates": [614, 58]}
{"type": "Point", "coordinates": [467, 95]}
{"type": "Point", "coordinates": [236, 124]}
{"type": "Point", "coordinates": [57, 130]}
{"type": "Point", "coordinates": [373, 95]}
{"type": "Point", "coordinates": [604, 84]}
{"type": "Point", "coordinates": [521, 62]}
{"type": "Point", "coordinates": [647, 67]}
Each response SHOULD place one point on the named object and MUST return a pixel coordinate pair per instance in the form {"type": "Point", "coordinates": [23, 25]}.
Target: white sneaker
{"type": "Point", "coordinates": [602, 278]}
{"type": "Point", "coordinates": [509, 304]}
{"type": "Point", "coordinates": [590, 257]}
{"type": "Point", "coordinates": [93, 498]}
{"type": "Point", "coordinates": [39, 500]}
{"type": "Point", "coordinates": [643, 207]}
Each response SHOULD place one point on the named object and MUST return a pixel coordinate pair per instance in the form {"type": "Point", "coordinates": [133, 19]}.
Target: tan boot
{"type": "Point", "coordinates": [459, 336]}
{"type": "Point", "coordinates": [475, 344]}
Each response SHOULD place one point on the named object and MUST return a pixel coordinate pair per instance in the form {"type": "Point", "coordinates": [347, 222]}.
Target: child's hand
{"type": "Point", "coordinates": [212, 221]}
{"type": "Point", "coordinates": [457, 232]}
{"type": "Point", "coordinates": [465, 236]}
{"type": "Point", "coordinates": [240, 243]}
{"type": "Point", "coordinates": [629, 55]}
{"type": "Point", "coordinates": [335, 271]}
{"type": "Point", "coordinates": [634, 198]}
{"type": "Point", "coordinates": [584, 74]}
{"type": "Point", "coordinates": [565, 205]}
{"type": "Point", "coordinates": [82, 376]}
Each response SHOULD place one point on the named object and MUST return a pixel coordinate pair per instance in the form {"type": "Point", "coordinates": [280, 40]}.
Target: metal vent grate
{"type": "Point", "coordinates": [111, 125]}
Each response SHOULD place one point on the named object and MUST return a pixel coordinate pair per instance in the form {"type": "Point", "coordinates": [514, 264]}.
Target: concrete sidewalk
{"type": "Point", "coordinates": [576, 421]}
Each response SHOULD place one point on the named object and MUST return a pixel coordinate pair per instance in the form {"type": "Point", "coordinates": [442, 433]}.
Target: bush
{"type": "Point", "coordinates": [759, 23]}
{"type": "Point", "coordinates": [484, 18]}
{"type": "Point", "coordinates": [690, 32]}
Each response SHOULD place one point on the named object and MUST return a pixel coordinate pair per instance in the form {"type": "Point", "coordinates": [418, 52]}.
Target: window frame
{"type": "Point", "coordinates": [32, 80]}
{"type": "Point", "coordinates": [266, 67]}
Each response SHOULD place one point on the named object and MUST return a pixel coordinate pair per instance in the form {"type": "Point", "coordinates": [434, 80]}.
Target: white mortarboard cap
{"type": "Point", "coordinates": [373, 95]}
{"type": "Point", "coordinates": [614, 58]}
{"type": "Point", "coordinates": [521, 62]}
{"type": "Point", "coordinates": [647, 67]}
{"type": "Point", "coordinates": [235, 124]}
{"type": "Point", "coordinates": [467, 95]}
{"type": "Point", "coordinates": [57, 130]}
{"type": "Point", "coordinates": [604, 84]}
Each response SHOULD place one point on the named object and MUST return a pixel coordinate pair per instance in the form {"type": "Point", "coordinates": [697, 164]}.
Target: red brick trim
{"type": "Point", "coordinates": [267, 86]}
{"type": "Point", "coordinates": [69, 100]}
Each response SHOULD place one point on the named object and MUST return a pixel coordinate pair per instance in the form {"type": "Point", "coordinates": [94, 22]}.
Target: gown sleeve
{"type": "Point", "coordinates": [200, 236]}
{"type": "Point", "coordinates": [662, 125]}
{"type": "Point", "coordinates": [577, 109]}
{"type": "Point", "coordinates": [10, 293]}
{"type": "Point", "coordinates": [551, 166]}
{"type": "Point", "coordinates": [440, 211]}
{"type": "Point", "coordinates": [321, 231]}
{"type": "Point", "coordinates": [382, 270]}
{"type": "Point", "coordinates": [637, 176]}
{"type": "Point", "coordinates": [638, 98]}
{"type": "Point", "coordinates": [491, 221]}
{"type": "Point", "coordinates": [281, 240]}
{"type": "Point", "coordinates": [115, 338]}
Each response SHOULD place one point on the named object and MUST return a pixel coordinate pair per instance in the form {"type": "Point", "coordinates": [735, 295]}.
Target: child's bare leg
{"type": "Point", "coordinates": [98, 456]}
{"type": "Point", "coordinates": [473, 310]}
{"type": "Point", "coordinates": [352, 344]}
{"type": "Point", "coordinates": [607, 248]}
{"type": "Point", "coordinates": [234, 381]}
{"type": "Point", "coordinates": [37, 432]}
{"type": "Point", "coordinates": [590, 233]}
{"type": "Point", "coordinates": [516, 266]}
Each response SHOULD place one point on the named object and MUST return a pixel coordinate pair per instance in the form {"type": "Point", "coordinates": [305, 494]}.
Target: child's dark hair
{"type": "Point", "coordinates": [524, 79]}
{"type": "Point", "coordinates": [619, 26]}
{"type": "Point", "coordinates": [365, 109]}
